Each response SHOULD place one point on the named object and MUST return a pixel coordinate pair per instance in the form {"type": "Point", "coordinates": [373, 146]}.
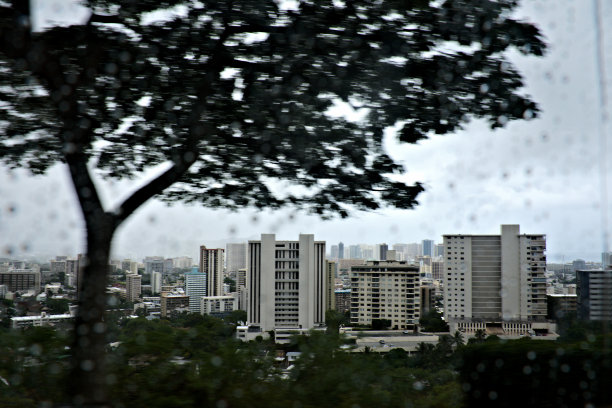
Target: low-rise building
{"type": "Point", "coordinates": [174, 302]}
{"type": "Point", "coordinates": [218, 306]}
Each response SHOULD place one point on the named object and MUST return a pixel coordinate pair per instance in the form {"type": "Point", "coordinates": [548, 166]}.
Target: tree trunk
{"type": "Point", "coordinates": [88, 381]}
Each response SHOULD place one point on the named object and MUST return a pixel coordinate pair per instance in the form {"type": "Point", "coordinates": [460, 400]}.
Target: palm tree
{"type": "Point", "coordinates": [458, 339]}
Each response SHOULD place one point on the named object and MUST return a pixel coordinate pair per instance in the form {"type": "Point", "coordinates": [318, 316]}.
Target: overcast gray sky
{"type": "Point", "coordinates": [543, 174]}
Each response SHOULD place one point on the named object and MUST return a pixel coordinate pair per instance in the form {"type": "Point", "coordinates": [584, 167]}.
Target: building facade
{"type": "Point", "coordinates": [331, 271]}
{"type": "Point", "coordinates": [594, 294]}
{"type": "Point", "coordinates": [218, 306]}
{"type": "Point", "coordinates": [495, 281]}
{"type": "Point", "coordinates": [173, 302]}
{"type": "Point", "coordinates": [386, 290]}
{"type": "Point", "coordinates": [286, 283]}
{"type": "Point", "coordinates": [21, 280]}
{"type": "Point", "coordinates": [133, 283]}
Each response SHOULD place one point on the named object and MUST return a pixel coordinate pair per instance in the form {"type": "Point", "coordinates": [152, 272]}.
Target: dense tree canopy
{"type": "Point", "coordinates": [238, 92]}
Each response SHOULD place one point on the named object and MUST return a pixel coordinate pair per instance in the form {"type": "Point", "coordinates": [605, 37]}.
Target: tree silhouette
{"type": "Point", "coordinates": [232, 98]}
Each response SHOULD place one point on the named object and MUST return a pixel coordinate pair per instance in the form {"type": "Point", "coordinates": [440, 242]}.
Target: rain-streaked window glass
{"type": "Point", "coordinates": [305, 203]}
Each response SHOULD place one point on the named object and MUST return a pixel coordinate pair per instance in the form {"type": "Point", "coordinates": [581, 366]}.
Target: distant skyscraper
{"type": "Point", "coordinates": [340, 250]}
{"type": "Point", "coordinates": [235, 257]}
{"type": "Point", "coordinates": [439, 250]}
{"type": "Point", "coordinates": [497, 279]}
{"type": "Point", "coordinates": [154, 264]}
{"type": "Point", "coordinates": [286, 284]}
{"type": "Point", "coordinates": [133, 286]}
{"type": "Point", "coordinates": [211, 263]}
{"type": "Point", "coordinates": [334, 254]}
{"type": "Point", "coordinates": [354, 252]}
{"type": "Point", "coordinates": [382, 254]}
{"type": "Point", "coordinates": [195, 288]}
{"type": "Point", "coordinates": [428, 247]}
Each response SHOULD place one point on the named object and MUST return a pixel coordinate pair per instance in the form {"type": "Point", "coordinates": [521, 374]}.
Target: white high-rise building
{"type": "Point", "coordinates": [195, 288]}
{"type": "Point", "coordinates": [211, 263]}
{"type": "Point", "coordinates": [156, 282]}
{"type": "Point", "coordinates": [495, 282]}
{"type": "Point", "coordinates": [236, 256]}
{"type": "Point", "coordinates": [286, 285]}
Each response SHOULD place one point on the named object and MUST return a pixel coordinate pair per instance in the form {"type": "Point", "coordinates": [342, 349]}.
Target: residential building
{"type": "Point", "coordinates": [173, 302]}
{"type": "Point", "coordinates": [133, 283]}
{"type": "Point", "coordinates": [386, 290]}
{"type": "Point", "coordinates": [594, 291]}
{"type": "Point", "coordinates": [496, 282]}
{"type": "Point", "coordinates": [58, 265]}
{"type": "Point", "coordinates": [21, 280]}
{"type": "Point", "coordinates": [286, 285]}
{"type": "Point", "coordinates": [195, 288]}
{"type": "Point", "coordinates": [218, 306]}
{"type": "Point", "coordinates": [343, 300]}
{"type": "Point", "coordinates": [341, 250]}
{"type": "Point", "coordinates": [437, 270]}
{"type": "Point", "coordinates": [211, 263]}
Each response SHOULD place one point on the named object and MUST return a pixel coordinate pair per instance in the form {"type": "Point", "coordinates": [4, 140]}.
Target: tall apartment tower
{"type": "Point", "coordinates": [495, 282]}
{"type": "Point", "coordinates": [382, 252]}
{"type": "Point", "coordinates": [133, 286]}
{"type": "Point", "coordinates": [341, 250]}
{"type": "Point", "coordinates": [386, 290]}
{"type": "Point", "coordinates": [211, 263]}
{"type": "Point", "coordinates": [195, 288]}
{"type": "Point", "coordinates": [286, 284]}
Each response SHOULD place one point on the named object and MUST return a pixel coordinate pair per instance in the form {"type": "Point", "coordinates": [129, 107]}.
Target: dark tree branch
{"type": "Point", "coordinates": [154, 187]}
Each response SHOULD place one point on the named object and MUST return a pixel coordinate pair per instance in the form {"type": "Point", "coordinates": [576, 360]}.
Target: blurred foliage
{"type": "Point", "coordinates": [57, 306]}
{"type": "Point", "coordinates": [433, 322]}
{"type": "Point", "coordinates": [235, 94]}
{"type": "Point", "coordinates": [196, 361]}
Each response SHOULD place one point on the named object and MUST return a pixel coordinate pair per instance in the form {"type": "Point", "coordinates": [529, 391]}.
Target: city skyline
{"type": "Point", "coordinates": [545, 174]}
